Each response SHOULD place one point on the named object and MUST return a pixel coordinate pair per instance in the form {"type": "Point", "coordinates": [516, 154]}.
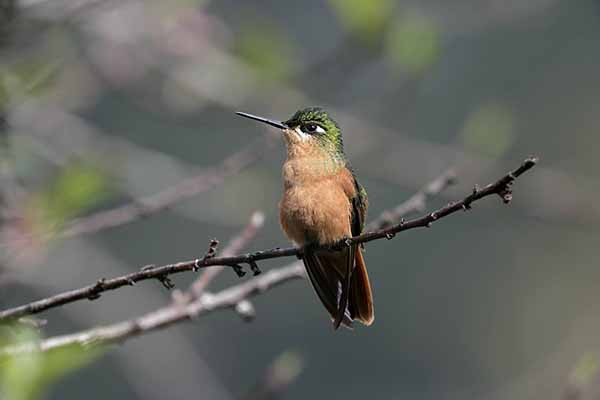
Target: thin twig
{"type": "Point", "coordinates": [416, 203]}
{"type": "Point", "coordinates": [145, 206]}
{"type": "Point", "coordinates": [235, 246]}
{"type": "Point", "coordinates": [244, 308]}
{"type": "Point", "coordinates": [501, 187]}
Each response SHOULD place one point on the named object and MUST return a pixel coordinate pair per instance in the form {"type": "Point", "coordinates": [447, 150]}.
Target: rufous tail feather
{"type": "Point", "coordinates": [361, 297]}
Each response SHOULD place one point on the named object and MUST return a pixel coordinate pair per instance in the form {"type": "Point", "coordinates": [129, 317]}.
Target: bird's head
{"type": "Point", "coordinates": [309, 127]}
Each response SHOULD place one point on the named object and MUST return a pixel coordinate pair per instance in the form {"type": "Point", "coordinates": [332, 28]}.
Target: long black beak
{"type": "Point", "coordinates": [271, 122]}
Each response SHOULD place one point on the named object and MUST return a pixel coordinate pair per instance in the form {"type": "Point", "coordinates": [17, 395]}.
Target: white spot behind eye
{"type": "Point", "coordinates": [303, 135]}
{"type": "Point", "coordinates": [319, 129]}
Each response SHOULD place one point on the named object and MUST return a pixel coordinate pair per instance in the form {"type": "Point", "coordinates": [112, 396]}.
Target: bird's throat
{"type": "Point", "coordinates": [309, 168]}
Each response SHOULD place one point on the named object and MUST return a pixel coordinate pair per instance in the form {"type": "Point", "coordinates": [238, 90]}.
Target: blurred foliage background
{"type": "Point", "coordinates": [105, 101]}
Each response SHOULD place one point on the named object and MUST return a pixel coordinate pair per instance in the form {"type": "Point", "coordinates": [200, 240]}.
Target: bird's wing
{"type": "Point", "coordinates": [359, 204]}
{"type": "Point", "coordinates": [360, 303]}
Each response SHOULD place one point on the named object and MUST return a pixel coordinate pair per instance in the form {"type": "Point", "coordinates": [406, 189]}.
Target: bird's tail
{"type": "Point", "coordinates": [327, 272]}
{"type": "Point", "coordinates": [361, 298]}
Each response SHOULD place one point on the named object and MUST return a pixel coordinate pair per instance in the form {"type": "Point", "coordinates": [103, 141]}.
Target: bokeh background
{"type": "Point", "coordinates": [107, 101]}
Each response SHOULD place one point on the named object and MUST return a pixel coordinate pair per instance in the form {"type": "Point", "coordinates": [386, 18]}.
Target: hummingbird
{"type": "Point", "coordinates": [323, 204]}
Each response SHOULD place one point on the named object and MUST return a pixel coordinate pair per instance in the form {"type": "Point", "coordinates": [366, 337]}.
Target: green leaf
{"type": "Point", "coordinates": [585, 370]}
{"type": "Point", "coordinates": [489, 130]}
{"type": "Point", "coordinates": [413, 43]}
{"type": "Point", "coordinates": [366, 19]}
{"type": "Point", "coordinates": [27, 77]}
{"type": "Point", "coordinates": [28, 376]}
{"type": "Point", "coordinates": [77, 189]}
{"type": "Point", "coordinates": [267, 49]}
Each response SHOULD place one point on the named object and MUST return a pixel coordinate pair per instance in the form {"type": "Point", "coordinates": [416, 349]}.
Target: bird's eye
{"type": "Point", "coordinates": [311, 128]}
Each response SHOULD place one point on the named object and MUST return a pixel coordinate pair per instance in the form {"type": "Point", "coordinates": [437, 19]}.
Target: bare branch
{"type": "Point", "coordinates": [501, 187]}
{"type": "Point", "coordinates": [165, 316]}
{"type": "Point", "coordinates": [143, 207]}
{"type": "Point", "coordinates": [189, 306]}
